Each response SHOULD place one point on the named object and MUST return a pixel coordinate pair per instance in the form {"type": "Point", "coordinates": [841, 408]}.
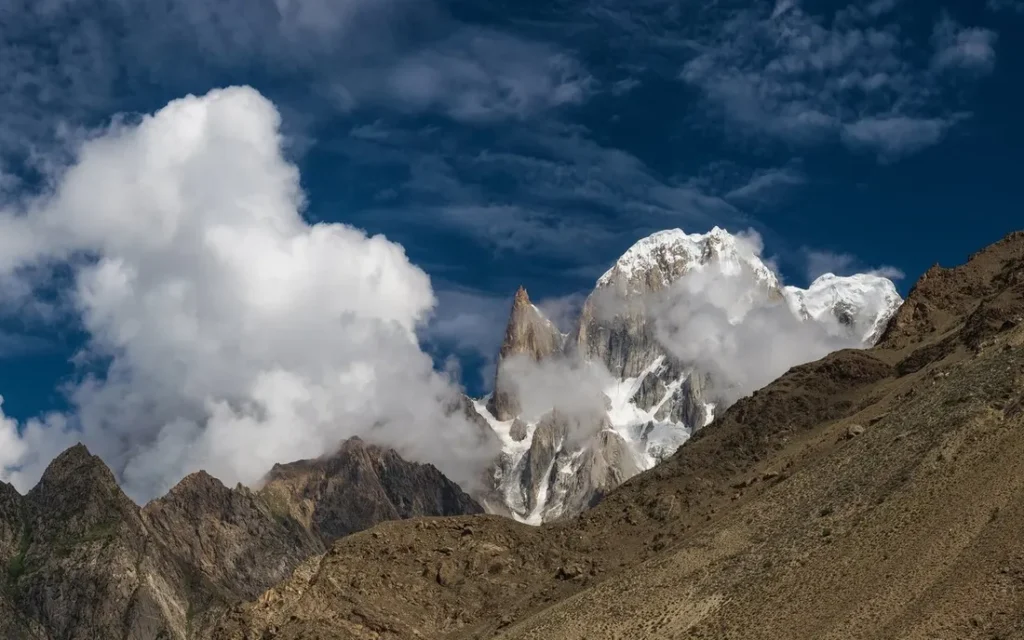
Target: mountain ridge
{"type": "Point", "coordinates": [849, 498]}
{"type": "Point", "coordinates": [81, 560]}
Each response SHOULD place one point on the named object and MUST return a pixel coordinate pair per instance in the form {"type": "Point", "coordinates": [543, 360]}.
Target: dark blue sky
{"type": "Point", "coordinates": [509, 143]}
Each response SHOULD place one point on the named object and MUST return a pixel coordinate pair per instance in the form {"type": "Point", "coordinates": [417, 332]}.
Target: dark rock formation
{"type": "Point", "coordinates": [359, 486]}
{"type": "Point", "coordinates": [687, 404]}
{"type": "Point", "coordinates": [548, 440]}
{"type": "Point", "coordinates": [10, 522]}
{"type": "Point", "coordinates": [230, 536]}
{"type": "Point", "coordinates": [518, 430]}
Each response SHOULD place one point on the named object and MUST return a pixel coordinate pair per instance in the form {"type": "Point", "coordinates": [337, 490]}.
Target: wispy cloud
{"type": "Point", "coordinates": [14, 345]}
{"type": "Point", "coordinates": [547, 191]}
{"type": "Point", "coordinates": [895, 136]}
{"type": "Point", "coordinates": [791, 75]}
{"type": "Point", "coordinates": [480, 76]}
{"type": "Point", "coordinates": [766, 185]}
{"type": "Point", "coordinates": [887, 271]}
{"type": "Point", "coordinates": [1016, 6]}
{"type": "Point", "coordinates": [881, 7]}
{"type": "Point", "coordinates": [70, 63]}
{"type": "Point", "coordinates": [819, 262]}
{"type": "Point", "coordinates": [565, 310]}
{"type": "Point", "coordinates": [959, 48]}
{"type": "Point", "coordinates": [526, 231]}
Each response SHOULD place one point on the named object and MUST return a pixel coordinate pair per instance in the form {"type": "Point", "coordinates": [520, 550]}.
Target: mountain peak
{"type": "Point", "coordinates": [528, 333]}
{"type": "Point", "coordinates": [76, 464]}
{"type": "Point", "coordinates": [78, 493]}
{"type": "Point", "coordinates": [654, 262]}
{"type": "Point", "coordinates": [521, 297]}
{"type": "Point", "coordinates": [199, 482]}
{"type": "Point", "coordinates": [864, 302]}
{"type": "Point", "coordinates": [358, 486]}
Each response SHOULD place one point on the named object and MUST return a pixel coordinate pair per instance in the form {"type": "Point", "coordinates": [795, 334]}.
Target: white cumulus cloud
{"type": "Point", "coordinates": [225, 332]}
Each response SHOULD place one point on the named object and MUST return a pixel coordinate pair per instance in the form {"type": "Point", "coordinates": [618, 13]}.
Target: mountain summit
{"type": "Point", "coordinates": [659, 377]}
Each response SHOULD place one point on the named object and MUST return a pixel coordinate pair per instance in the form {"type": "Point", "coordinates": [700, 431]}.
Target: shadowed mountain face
{"type": "Point", "coordinates": [81, 560]}
{"type": "Point", "coordinates": [870, 494]}
{"type": "Point", "coordinates": [358, 487]}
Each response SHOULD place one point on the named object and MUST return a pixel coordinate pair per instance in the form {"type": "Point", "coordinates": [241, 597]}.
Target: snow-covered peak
{"type": "Point", "coordinates": [662, 257]}
{"type": "Point", "coordinates": [646, 253]}
{"type": "Point", "coordinates": [864, 302]}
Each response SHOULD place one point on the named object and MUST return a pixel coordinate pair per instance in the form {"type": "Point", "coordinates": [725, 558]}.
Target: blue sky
{"type": "Point", "coordinates": [509, 143]}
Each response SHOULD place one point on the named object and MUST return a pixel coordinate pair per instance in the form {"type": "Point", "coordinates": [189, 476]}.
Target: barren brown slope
{"type": "Point", "coordinates": [871, 494]}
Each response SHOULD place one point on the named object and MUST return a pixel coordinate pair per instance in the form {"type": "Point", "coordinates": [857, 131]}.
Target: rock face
{"type": "Point", "coordinates": [655, 401]}
{"type": "Point", "coordinates": [359, 486]}
{"type": "Point", "coordinates": [528, 334]}
{"type": "Point", "coordinates": [80, 560]}
{"type": "Point", "coordinates": [10, 522]}
{"type": "Point", "coordinates": [231, 535]}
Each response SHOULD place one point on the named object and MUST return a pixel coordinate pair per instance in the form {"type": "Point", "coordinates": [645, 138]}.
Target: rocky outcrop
{"type": "Point", "coordinates": [547, 443]}
{"type": "Point", "coordinates": [529, 334]}
{"type": "Point", "coordinates": [10, 522]}
{"type": "Point", "coordinates": [231, 537]}
{"type": "Point", "coordinates": [654, 386]}
{"type": "Point", "coordinates": [614, 329]}
{"type": "Point", "coordinates": [942, 297]}
{"type": "Point", "coordinates": [688, 404]}
{"type": "Point", "coordinates": [605, 461]}
{"type": "Point", "coordinates": [357, 487]}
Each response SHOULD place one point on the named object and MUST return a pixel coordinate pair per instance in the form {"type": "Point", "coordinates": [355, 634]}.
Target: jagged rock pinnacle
{"type": "Point", "coordinates": [528, 333]}
{"type": "Point", "coordinates": [521, 298]}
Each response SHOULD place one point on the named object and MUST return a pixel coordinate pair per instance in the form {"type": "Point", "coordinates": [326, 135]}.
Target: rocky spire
{"type": "Point", "coordinates": [528, 333]}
